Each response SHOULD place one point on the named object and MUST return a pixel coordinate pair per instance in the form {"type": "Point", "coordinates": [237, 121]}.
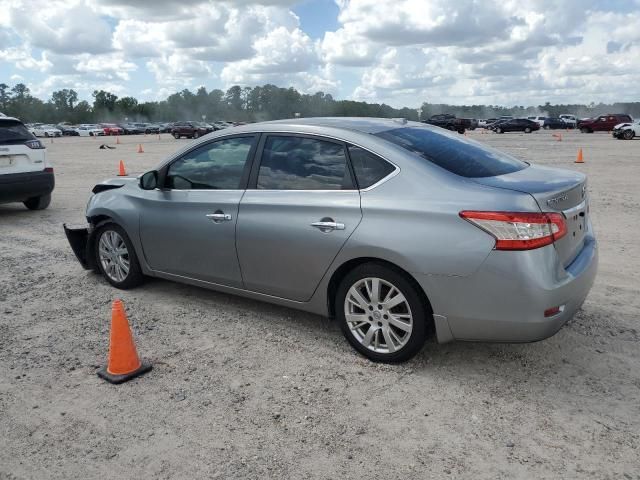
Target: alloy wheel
{"type": "Point", "coordinates": [378, 315]}
{"type": "Point", "coordinates": [114, 256]}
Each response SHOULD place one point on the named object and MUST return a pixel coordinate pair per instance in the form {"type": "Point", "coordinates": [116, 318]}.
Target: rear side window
{"type": "Point", "coordinates": [299, 163]}
{"type": "Point", "coordinates": [13, 132]}
{"type": "Point", "coordinates": [369, 168]}
{"type": "Point", "coordinates": [217, 165]}
{"type": "Point", "coordinates": [458, 156]}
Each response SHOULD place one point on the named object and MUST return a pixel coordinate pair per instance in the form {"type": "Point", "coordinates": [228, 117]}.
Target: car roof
{"type": "Point", "coordinates": [9, 119]}
{"type": "Point", "coordinates": [359, 124]}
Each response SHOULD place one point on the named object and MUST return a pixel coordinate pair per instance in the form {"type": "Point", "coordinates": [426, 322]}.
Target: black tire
{"type": "Point", "coordinates": [38, 203]}
{"type": "Point", "coordinates": [585, 130]}
{"type": "Point", "coordinates": [196, 134]}
{"type": "Point", "coordinates": [499, 130]}
{"type": "Point", "coordinates": [419, 310]}
{"type": "Point", "coordinates": [135, 276]}
{"type": "Point", "coordinates": [527, 130]}
{"type": "Point", "coordinates": [628, 134]}
{"type": "Point", "coordinates": [547, 127]}
{"type": "Point", "coordinates": [176, 135]}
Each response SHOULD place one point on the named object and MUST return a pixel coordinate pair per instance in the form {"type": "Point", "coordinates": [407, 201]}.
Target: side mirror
{"type": "Point", "coordinates": [149, 181]}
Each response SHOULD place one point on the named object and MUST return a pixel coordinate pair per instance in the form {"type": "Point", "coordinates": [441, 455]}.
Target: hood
{"type": "Point", "coordinates": [622, 125]}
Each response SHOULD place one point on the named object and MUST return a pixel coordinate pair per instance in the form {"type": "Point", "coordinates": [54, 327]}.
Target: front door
{"type": "Point", "coordinates": [301, 211]}
{"type": "Point", "coordinates": [188, 227]}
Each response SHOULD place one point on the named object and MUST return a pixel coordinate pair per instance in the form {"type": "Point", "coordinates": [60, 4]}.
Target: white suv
{"type": "Point", "coordinates": [626, 131]}
{"type": "Point", "coordinates": [25, 175]}
{"type": "Point", "coordinates": [570, 120]}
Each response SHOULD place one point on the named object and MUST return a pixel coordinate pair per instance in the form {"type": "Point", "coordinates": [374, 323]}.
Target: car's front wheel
{"type": "Point", "coordinates": [176, 135]}
{"type": "Point", "coordinates": [38, 203]}
{"type": "Point", "coordinates": [499, 130]}
{"type": "Point", "coordinates": [381, 313]}
{"type": "Point", "coordinates": [527, 130]}
{"type": "Point", "coordinates": [628, 134]}
{"type": "Point", "coordinates": [196, 134]}
{"type": "Point", "coordinates": [116, 257]}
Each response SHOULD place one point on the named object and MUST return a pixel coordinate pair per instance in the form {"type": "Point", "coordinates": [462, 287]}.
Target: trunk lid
{"type": "Point", "coordinates": [555, 190]}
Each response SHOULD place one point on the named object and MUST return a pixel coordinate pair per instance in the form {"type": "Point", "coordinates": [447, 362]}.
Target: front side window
{"type": "Point", "coordinates": [369, 168]}
{"type": "Point", "coordinates": [217, 165]}
{"type": "Point", "coordinates": [299, 163]}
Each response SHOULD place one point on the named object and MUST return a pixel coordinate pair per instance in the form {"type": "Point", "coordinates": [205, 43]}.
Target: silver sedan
{"type": "Point", "coordinates": [398, 229]}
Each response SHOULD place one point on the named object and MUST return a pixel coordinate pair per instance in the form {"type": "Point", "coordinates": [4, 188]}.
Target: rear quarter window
{"type": "Point", "coordinates": [462, 157]}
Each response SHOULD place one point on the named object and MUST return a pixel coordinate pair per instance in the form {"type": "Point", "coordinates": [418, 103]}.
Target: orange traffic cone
{"type": "Point", "coordinates": [140, 149]}
{"type": "Point", "coordinates": [579, 159]}
{"type": "Point", "coordinates": [121, 171]}
{"type": "Point", "coordinates": [124, 363]}
{"type": "Point", "coordinates": [557, 136]}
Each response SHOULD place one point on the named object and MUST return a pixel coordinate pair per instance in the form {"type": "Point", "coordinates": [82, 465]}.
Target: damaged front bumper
{"type": "Point", "coordinates": [80, 239]}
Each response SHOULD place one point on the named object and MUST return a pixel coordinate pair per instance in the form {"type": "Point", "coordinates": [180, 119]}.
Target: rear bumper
{"type": "Point", "coordinates": [18, 187]}
{"type": "Point", "coordinates": [505, 300]}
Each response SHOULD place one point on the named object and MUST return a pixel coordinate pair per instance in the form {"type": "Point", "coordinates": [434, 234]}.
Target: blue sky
{"type": "Point", "coordinates": [400, 52]}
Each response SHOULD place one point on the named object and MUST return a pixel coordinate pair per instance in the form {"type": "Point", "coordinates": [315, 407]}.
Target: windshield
{"type": "Point", "coordinates": [459, 156]}
{"type": "Point", "coordinates": [13, 132]}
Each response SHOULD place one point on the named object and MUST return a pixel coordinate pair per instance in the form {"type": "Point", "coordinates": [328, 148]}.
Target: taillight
{"type": "Point", "coordinates": [34, 144]}
{"type": "Point", "coordinates": [519, 230]}
{"type": "Point", "coordinates": [49, 169]}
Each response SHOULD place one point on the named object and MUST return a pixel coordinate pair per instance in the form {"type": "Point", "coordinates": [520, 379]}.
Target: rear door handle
{"type": "Point", "coordinates": [328, 226]}
{"type": "Point", "coordinates": [218, 217]}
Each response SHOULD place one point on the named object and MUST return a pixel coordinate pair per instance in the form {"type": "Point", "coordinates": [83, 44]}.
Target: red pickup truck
{"type": "Point", "coordinates": [603, 123]}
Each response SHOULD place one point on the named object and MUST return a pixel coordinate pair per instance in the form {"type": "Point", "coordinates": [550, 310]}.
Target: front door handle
{"type": "Point", "coordinates": [219, 217]}
{"type": "Point", "coordinates": [328, 226]}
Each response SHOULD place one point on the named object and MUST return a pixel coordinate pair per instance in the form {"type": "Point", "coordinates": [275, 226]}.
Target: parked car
{"type": "Point", "coordinates": [448, 121]}
{"type": "Point", "coordinates": [42, 130]}
{"type": "Point", "coordinates": [90, 130]}
{"type": "Point", "coordinates": [603, 123]}
{"type": "Point", "coordinates": [626, 131]}
{"type": "Point", "coordinates": [554, 123]}
{"type": "Point", "coordinates": [165, 127]}
{"type": "Point", "coordinates": [111, 129]}
{"type": "Point", "coordinates": [570, 120]}
{"type": "Point", "coordinates": [148, 127]}
{"type": "Point", "coordinates": [221, 125]}
{"type": "Point", "coordinates": [188, 129]}
{"type": "Point", "coordinates": [25, 174]}
{"type": "Point", "coordinates": [515, 125]}
{"type": "Point", "coordinates": [489, 121]}
{"type": "Point", "coordinates": [67, 130]}
{"type": "Point", "coordinates": [130, 129]}
{"type": "Point", "coordinates": [291, 212]}
{"type": "Point", "coordinates": [538, 119]}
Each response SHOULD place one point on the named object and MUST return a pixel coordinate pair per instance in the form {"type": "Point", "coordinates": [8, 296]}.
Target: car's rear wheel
{"type": "Point", "coordinates": [196, 134]}
{"type": "Point", "coordinates": [527, 130]}
{"type": "Point", "coordinates": [547, 127]}
{"type": "Point", "coordinates": [585, 130]}
{"type": "Point", "coordinates": [381, 313]}
{"type": "Point", "coordinates": [628, 134]}
{"type": "Point", "coordinates": [176, 136]}
{"type": "Point", "coordinates": [499, 130]}
{"type": "Point", "coordinates": [116, 257]}
{"type": "Point", "coordinates": [38, 203]}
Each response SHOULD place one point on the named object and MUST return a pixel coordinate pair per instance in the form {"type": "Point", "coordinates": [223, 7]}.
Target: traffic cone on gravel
{"type": "Point", "coordinates": [140, 149]}
{"type": "Point", "coordinates": [124, 363]}
{"type": "Point", "coordinates": [121, 170]}
{"type": "Point", "coordinates": [579, 158]}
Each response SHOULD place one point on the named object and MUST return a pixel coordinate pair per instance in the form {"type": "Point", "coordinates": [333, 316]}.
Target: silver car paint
{"type": "Point", "coordinates": [410, 219]}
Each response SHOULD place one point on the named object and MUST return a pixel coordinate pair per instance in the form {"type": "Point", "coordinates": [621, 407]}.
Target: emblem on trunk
{"type": "Point", "coordinates": [556, 200]}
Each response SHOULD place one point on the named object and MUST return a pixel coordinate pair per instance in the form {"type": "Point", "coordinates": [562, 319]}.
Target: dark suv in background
{"type": "Point", "coordinates": [603, 123]}
{"type": "Point", "coordinates": [188, 129]}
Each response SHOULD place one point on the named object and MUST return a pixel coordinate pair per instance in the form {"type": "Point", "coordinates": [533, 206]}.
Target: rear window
{"type": "Point", "coordinates": [13, 132]}
{"type": "Point", "coordinates": [453, 154]}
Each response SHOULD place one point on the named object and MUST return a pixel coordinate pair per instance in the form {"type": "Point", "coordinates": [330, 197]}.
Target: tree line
{"type": "Point", "coordinates": [260, 103]}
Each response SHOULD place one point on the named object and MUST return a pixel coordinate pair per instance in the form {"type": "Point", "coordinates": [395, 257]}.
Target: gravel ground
{"type": "Point", "coordinates": [242, 389]}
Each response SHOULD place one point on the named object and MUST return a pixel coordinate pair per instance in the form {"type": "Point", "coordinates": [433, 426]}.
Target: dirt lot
{"type": "Point", "coordinates": [242, 389]}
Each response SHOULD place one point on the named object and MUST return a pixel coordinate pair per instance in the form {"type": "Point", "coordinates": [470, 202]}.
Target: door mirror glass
{"type": "Point", "coordinates": [149, 180]}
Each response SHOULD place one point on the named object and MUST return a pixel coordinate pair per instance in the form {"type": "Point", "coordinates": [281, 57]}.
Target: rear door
{"type": "Point", "coordinates": [300, 209]}
{"type": "Point", "coordinates": [188, 227]}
